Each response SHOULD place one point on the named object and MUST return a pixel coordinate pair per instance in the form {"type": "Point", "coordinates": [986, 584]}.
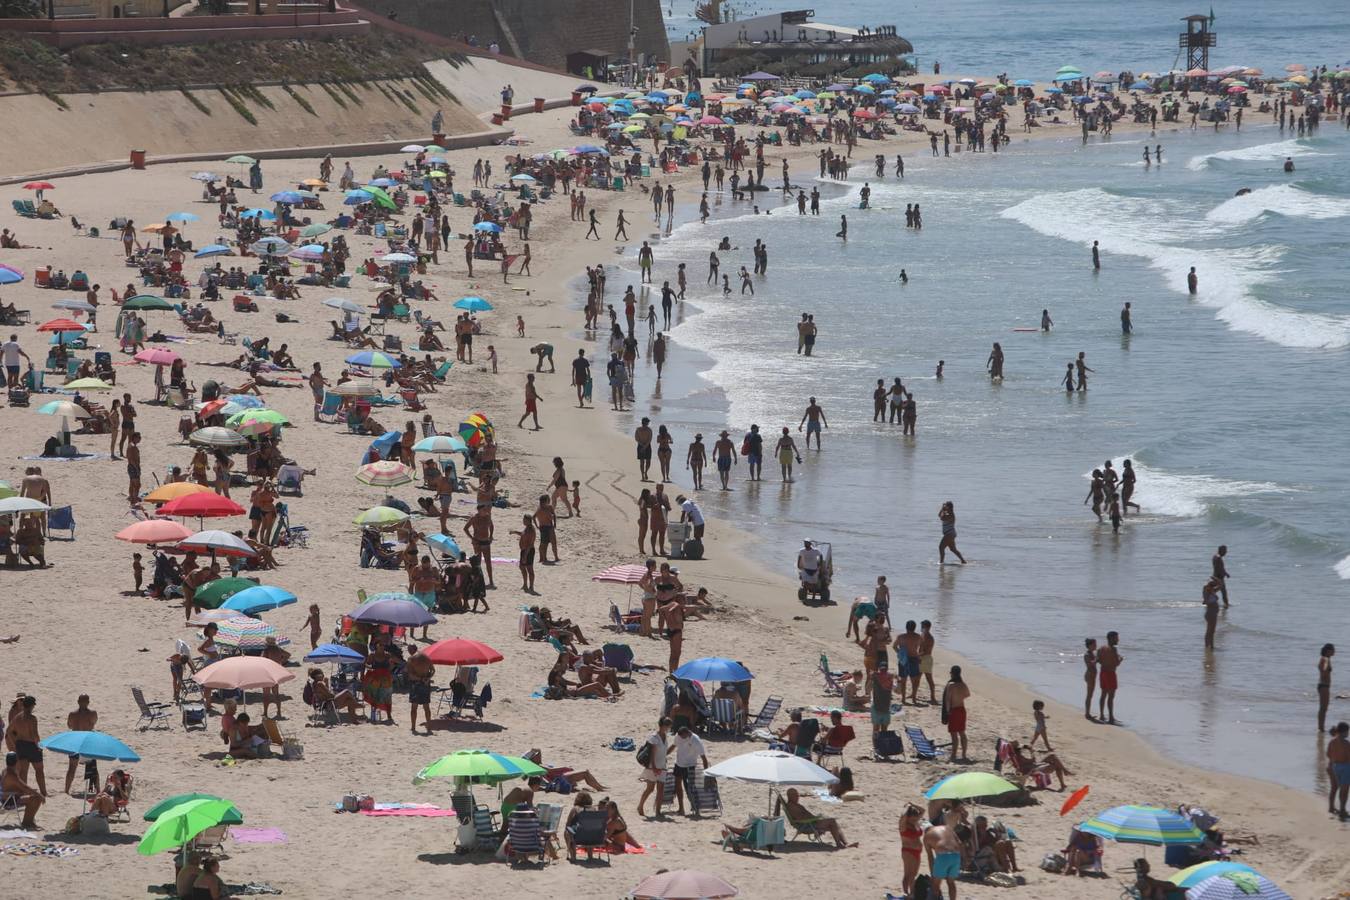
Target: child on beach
{"type": "Point", "coordinates": [1038, 710]}
{"type": "Point", "coordinates": [520, 326]}
{"type": "Point", "coordinates": [314, 624]}
{"type": "Point", "coordinates": [882, 598]}
{"type": "Point", "coordinates": [137, 572]}
{"type": "Point", "coordinates": [576, 497]}
{"type": "Point", "coordinates": [492, 358]}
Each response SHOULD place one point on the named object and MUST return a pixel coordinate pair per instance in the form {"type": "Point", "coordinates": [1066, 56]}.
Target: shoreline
{"type": "Point", "coordinates": [754, 619]}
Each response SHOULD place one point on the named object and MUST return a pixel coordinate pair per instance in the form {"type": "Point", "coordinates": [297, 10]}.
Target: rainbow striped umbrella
{"type": "Point", "coordinates": [246, 633]}
{"type": "Point", "coordinates": [1143, 825]}
{"type": "Point", "coordinates": [385, 474]}
{"type": "Point", "coordinates": [373, 359]}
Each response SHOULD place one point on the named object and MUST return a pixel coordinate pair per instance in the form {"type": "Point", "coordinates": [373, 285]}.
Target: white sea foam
{"type": "Point", "coordinates": [1343, 568]}
{"type": "Point", "coordinates": [1259, 153]}
{"type": "Point", "coordinates": [1169, 494]}
{"type": "Point", "coordinates": [1158, 230]}
{"type": "Point", "coordinates": [1284, 199]}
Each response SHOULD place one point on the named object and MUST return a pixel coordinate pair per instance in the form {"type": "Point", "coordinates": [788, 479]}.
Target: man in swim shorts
{"type": "Point", "coordinates": [1338, 766]}
{"type": "Point", "coordinates": [813, 419]}
{"type": "Point", "coordinates": [944, 851]}
{"type": "Point", "coordinates": [908, 650]}
{"type": "Point", "coordinates": [724, 451]}
{"type": "Point", "coordinates": [1108, 660]}
{"type": "Point", "coordinates": [926, 642]}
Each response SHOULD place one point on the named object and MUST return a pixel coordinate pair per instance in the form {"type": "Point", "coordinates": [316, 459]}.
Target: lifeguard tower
{"type": "Point", "coordinates": [1196, 41]}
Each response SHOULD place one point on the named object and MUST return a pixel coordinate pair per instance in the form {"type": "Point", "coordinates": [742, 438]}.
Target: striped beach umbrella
{"type": "Point", "coordinates": [373, 359]}
{"type": "Point", "coordinates": [1193, 875]}
{"type": "Point", "coordinates": [246, 633]}
{"type": "Point", "coordinates": [1237, 886]}
{"type": "Point", "coordinates": [478, 767]}
{"type": "Point", "coordinates": [385, 473]}
{"type": "Point", "coordinates": [627, 573]}
{"type": "Point", "coordinates": [1133, 824]}
{"type": "Point", "coordinates": [217, 543]}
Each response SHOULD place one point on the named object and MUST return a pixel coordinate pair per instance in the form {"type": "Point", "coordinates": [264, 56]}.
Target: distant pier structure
{"type": "Point", "coordinates": [1196, 41]}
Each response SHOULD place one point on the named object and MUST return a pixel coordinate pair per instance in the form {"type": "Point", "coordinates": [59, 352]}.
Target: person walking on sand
{"type": "Point", "coordinates": [531, 403]}
{"type": "Point", "coordinates": [814, 419]}
{"type": "Point", "coordinates": [620, 227]}
{"type": "Point", "coordinates": [1220, 571]}
{"type": "Point", "coordinates": [954, 697]}
{"type": "Point", "coordinates": [592, 233]}
{"type": "Point", "coordinates": [654, 768]}
{"type": "Point", "coordinates": [947, 516]}
{"type": "Point", "coordinates": [1324, 685]}
{"type": "Point", "coordinates": [1109, 659]}
{"type": "Point", "coordinates": [643, 436]}
{"type": "Point", "coordinates": [695, 459]}
{"type": "Point", "coordinates": [1338, 768]}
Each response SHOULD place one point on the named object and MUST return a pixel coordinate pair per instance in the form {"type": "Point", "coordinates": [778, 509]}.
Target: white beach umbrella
{"type": "Point", "coordinates": [343, 304]}
{"type": "Point", "coordinates": [774, 768]}
{"type": "Point", "coordinates": [12, 505]}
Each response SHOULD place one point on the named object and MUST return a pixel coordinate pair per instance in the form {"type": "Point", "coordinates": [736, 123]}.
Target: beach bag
{"type": "Point", "coordinates": [923, 888]}
{"type": "Point", "coordinates": [644, 755]}
{"type": "Point", "coordinates": [349, 803]}
{"type": "Point", "coordinates": [292, 749]}
{"type": "Point", "coordinates": [888, 743]}
{"type": "Point", "coordinates": [92, 823]}
{"type": "Point", "coordinates": [1054, 863]}
{"type": "Point", "coordinates": [466, 838]}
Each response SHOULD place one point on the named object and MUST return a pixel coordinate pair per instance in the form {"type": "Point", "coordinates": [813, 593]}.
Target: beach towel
{"type": "Point", "coordinates": [38, 848]}
{"type": "Point", "coordinates": [419, 811]}
{"type": "Point", "coordinates": [257, 835]}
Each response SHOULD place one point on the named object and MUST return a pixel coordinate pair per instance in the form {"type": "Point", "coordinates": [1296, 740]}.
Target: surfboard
{"type": "Point", "coordinates": [1026, 329]}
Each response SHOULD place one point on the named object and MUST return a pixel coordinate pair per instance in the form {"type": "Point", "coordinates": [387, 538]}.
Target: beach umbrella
{"type": "Point", "coordinates": [205, 617]}
{"type": "Point", "coordinates": [441, 443]}
{"type": "Point", "coordinates": [343, 304]}
{"type": "Point", "coordinates": [204, 176]}
{"type": "Point", "coordinates": [1053, 90]}
{"type": "Point", "coordinates": [1193, 875]}
{"type": "Point", "coordinates": [478, 767]}
{"type": "Point", "coordinates": [381, 517]}
{"type": "Point", "coordinates": [384, 182]}
{"type": "Point", "coordinates": [774, 768]}
{"type": "Point", "coordinates": [257, 419]}
{"type": "Point", "coordinates": [412, 148]}
{"type": "Point", "coordinates": [683, 884]}
{"type": "Point", "coordinates": [214, 593]}
{"type": "Point", "coordinates": [710, 120]}
{"type": "Point", "coordinates": [391, 608]}
{"type": "Point", "coordinates": [1237, 89]}
{"type": "Point", "coordinates": [75, 305]}
{"type": "Point", "coordinates": [286, 197]}
{"type": "Point", "coordinates": [627, 573]}
{"type": "Point", "coordinates": [309, 252]}
{"type": "Point", "coordinates": [10, 275]}
{"type": "Point", "coordinates": [231, 817]}
{"type": "Point", "coordinates": [216, 542]}
{"type": "Point", "coordinates": [522, 178]}
{"type": "Point", "coordinates": [445, 543]}
{"type": "Point", "coordinates": [64, 409]}
{"type": "Point", "coordinates": [213, 250]}
{"type": "Point", "coordinates": [218, 438]}
{"type": "Point", "coordinates": [473, 304]}
{"type": "Point", "coordinates": [203, 506]}
{"type": "Point", "coordinates": [589, 149]}
{"type": "Point", "coordinates": [1237, 886]}
{"type": "Point", "coordinates": [14, 505]}
{"type": "Point", "coordinates": [1067, 68]}
{"type": "Point", "coordinates": [334, 653]}
{"type": "Point", "coordinates": [462, 652]}
{"type": "Point", "coordinates": [39, 186]}
{"type": "Point", "coordinates": [356, 197]}
{"type": "Point", "coordinates": [355, 389]}
{"type": "Point", "coordinates": [373, 359]}
{"type": "Point", "coordinates": [241, 160]}
{"type": "Point", "coordinates": [1295, 67]}
{"type": "Point", "coordinates": [1141, 86]}
{"type": "Point", "coordinates": [864, 114]}
{"type": "Point", "coordinates": [713, 668]}
{"type": "Point", "coordinates": [88, 384]}
{"type": "Point", "coordinates": [90, 744]}
{"type": "Point", "coordinates": [313, 231]}
{"type": "Point", "coordinates": [1196, 73]}
{"type": "Point", "coordinates": [1294, 79]}
{"type": "Point", "coordinates": [271, 246]}
{"type": "Point", "coordinates": [147, 302]}
{"type": "Point", "coordinates": [243, 673]}
{"type": "Point", "coordinates": [1069, 76]}
{"type": "Point", "coordinates": [380, 196]}
{"type": "Point", "coordinates": [398, 258]}
{"type": "Point", "coordinates": [1143, 825]}
{"type": "Point", "coordinates": [157, 356]}
{"type": "Point", "coordinates": [969, 784]}
{"type": "Point", "coordinates": [384, 473]}
{"type": "Point", "coordinates": [153, 531]}
{"type": "Point", "coordinates": [60, 325]}
{"type": "Point", "coordinates": [907, 108]}
{"type": "Point", "coordinates": [182, 217]}
{"type": "Point", "coordinates": [258, 213]}
{"type": "Point", "coordinates": [1024, 82]}
{"type": "Point", "coordinates": [245, 633]}
{"type": "Point", "coordinates": [181, 823]}
{"type": "Point", "coordinates": [488, 226]}
{"type": "Point", "coordinates": [259, 598]}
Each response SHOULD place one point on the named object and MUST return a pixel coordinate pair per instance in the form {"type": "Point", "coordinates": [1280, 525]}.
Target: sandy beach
{"type": "Point", "coordinates": [82, 629]}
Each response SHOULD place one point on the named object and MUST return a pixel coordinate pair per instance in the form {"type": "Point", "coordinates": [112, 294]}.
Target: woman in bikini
{"type": "Point", "coordinates": [644, 504]}
{"type": "Point", "coordinates": [663, 451]}
{"type": "Point", "coordinates": [947, 516]}
{"type": "Point", "coordinates": [617, 830]}
{"type": "Point", "coordinates": [1089, 674]}
{"type": "Point", "coordinates": [668, 587]}
{"type": "Point", "coordinates": [559, 486]}
{"type": "Point", "coordinates": [656, 526]}
{"type": "Point", "coordinates": [911, 846]}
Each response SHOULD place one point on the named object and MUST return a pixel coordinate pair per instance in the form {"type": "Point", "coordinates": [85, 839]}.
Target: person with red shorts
{"type": "Point", "coordinates": [1108, 659]}
{"type": "Point", "coordinates": [954, 697]}
{"type": "Point", "coordinates": [531, 403]}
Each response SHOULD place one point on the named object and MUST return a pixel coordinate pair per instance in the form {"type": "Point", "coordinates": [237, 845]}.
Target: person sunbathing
{"type": "Point", "coordinates": [1024, 761]}
{"type": "Point", "coordinates": [575, 776]}
{"type": "Point", "coordinates": [429, 341]}
{"type": "Point", "coordinates": [616, 830]}
{"type": "Point", "coordinates": [321, 694]}
{"type": "Point", "coordinates": [547, 620]}
{"type": "Point", "coordinates": [245, 739]}
{"type": "Point", "coordinates": [802, 817]}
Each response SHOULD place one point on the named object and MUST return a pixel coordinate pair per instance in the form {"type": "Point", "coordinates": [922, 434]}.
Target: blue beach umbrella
{"type": "Point", "coordinates": [1053, 90]}
{"type": "Point", "coordinates": [93, 744]}
{"type": "Point", "coordinates": [213, 250]}
{"type": "Point", "coordinates": [473, 304]}
{"type": "Point", "coordinates": [257, 213]}
{"type": "Point", "coordinates": [333, 653]}
{"type": "Point", "coordinates": [1141, 86]}
{"type": "Point", "coordinates": [374, 359]}
{"type": "Point", "coordinates": [259, 599]}
{"type": "Point", "coordinates": [445, 543]}
{"type": "Point", "coordinates": [713, 668]}
{"type": "Point", "coordinates": [382, 182]}
{"type": "Point", "coordinates": [1237, 886]}
{"type": "Point", "coordinates": [907, 108]}
{"type": "Point", "coordinates": [1143, 825]}
{"type": "Point", "coordinates": [286, 197]}
{"type": "Point", "coordinates": [1193, 875]}
{"type": "Point", "coordinates": [384, 442]}
{"type": "Point", "coordinates": [876, 77]}
{"type": "Point", "coordinates": [181, 217]}
{"type": "Point", "coordinates": [488, 226]}
{"type": "Point", "coordinates": [245, 401]}
{"type": "Point", "coordinates": [864, 89]}
{"type": "Point", "coordinates": [441, 443]}
{"type": "Point", "coordinates": [10, 276]}
{"type": "Point", "coordinates": [1070, 76]}
{"type": "Point", "coordinates": [1024, 82]}
{"type": "Point", "coordinates": [806, 95]}
{"type": "Point", "coordinates": [357, 197]}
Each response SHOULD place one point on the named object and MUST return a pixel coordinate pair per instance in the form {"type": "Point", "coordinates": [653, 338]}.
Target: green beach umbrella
{"type": "Point", "coordinates": [478, 767]}
{"type": "Point", "coordinates": [7, 491]}
{"type": "Point", "coordinates": [315, 230]}
{"type": "Point", "coordinates": [253, 421]}
{"type": "Point", "coordinates": [147, 302]}
{"type": "Point", "coordinates": [232, 815]}
{"type": "Point", "coordinates": [381, 516]}
{"type": "Point", "coordinates": [88, 384]}
{"type": "Point", "coordinates": [969, 784]}
{"type": "Point", "coordinates": [1133, 824]}
{"type": "Point", "coordinates": [241, 159]}
{"type": "Point", "coordinates": [214, 593]}
{"type": "Point", "coordinates": [381, 196]}
{"type": "Point", "coordinates": [181, 824]}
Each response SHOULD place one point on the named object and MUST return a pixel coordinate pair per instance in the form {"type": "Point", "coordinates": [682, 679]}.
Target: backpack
{"type": "Point", "coordinates": [923, 887]}
{"type": "Point", "coordinates": [644, 755]}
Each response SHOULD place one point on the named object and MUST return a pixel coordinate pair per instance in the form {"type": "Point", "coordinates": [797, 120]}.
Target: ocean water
{"type": "Point", "coordinates": [1231, 404]}
{"type": "Point", "coordinates": [1033, 38]}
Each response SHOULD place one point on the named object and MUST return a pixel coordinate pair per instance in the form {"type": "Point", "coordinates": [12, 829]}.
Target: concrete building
{"type": "Point", "coordinates": [793, 35]}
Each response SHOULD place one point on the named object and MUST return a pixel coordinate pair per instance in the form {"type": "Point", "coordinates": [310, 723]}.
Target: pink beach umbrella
{"type": "Point", "coordinates": [157, 356]}
{"type": "Point", "coordinates": [243, 673]}
{"type": "Point", "coordinates": [628, 573]}
{"type": "Point", "coordinates": [153, 531]}
{"type": "Point", "coordinates": [683, 884]}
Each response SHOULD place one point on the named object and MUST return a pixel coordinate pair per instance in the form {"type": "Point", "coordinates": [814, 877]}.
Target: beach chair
{"type": "Point", "coordinates": [287, 534]}
{"type": "Point", "coordinates": [923, 747]}
{"type": "Point", "coordinates": [211, 840]}
{"type": "Point", "coordinates": [523, 838]}
{"type": "Point", "coordinates": [290, 480]}
{"type": "Point", "coordinates": [402, 313]}
{"type": "Point", "coordinates": [550, 817]}
{"type": "Point", "coordinates": [589, 833]}
{"type": "Point", "coordinates": [762, 836]}
{"type": "Point", "coordinates": [443, 370]}
{"type": "Point", "coordinates": [725, 716]}
{"type": "Point", "coordinates": [462, 804]}
{"type": "Point", "coordinates": [764, 718]}
{"type": "Point", "coordinates": [620, 658]}
{"type": "Point", "coordinates": [833, 687]}
{"type": "Point", "coordinates": [704, 797]}
{"type": "Point", "coordinates": [61, 518]}
{"type": "Point", "coordinates": [329, 411]}
{"type": "Point", "coordinates": [831, 750]}
{"type": "Point", "coordinates": [191, 714]}
{"type": "Point", "coordinates": [621, 623]}
{"type": "Point", "coordinates": [392, 343]}
{"type": "Point", "coordinates": [485, 828]}
{"type": "Point", "coordinates": [804, 827]}
{"type": "Point", "coordinates": [150, 713]}
{"type": "Point", "coordinates": [425, 322]}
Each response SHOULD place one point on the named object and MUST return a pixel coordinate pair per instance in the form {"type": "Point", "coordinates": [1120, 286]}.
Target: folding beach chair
{"type": "Point", "coordinates": [589, 833]}
{"type": "Point", "coordinates": [291, 480]}
{"type": "Point", "coordinates": [61, 518]}
{"type": "Point", "coordinates": [621, 623]}
{"type": "Point", "coordinates": [150, 713]}
{"type": "Point", "coordinates": [524, 839]}
{"type": "Point", "coordinates": [923, 747]}
{"type": "Point", "coordinates": [620, 658]}
{"type": "Point", "coordinates": [328, 412]}
{"type": "Point", "coordinates": [725, 716]}
{"type": "Point", "coordinates": [485, 828]}
{"type": "Point", "coordinates": [761, 836]}
{"type": "Point", "coordinates": [764, 718]}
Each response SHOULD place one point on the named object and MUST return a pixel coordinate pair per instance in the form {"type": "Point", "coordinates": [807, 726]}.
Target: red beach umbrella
{"type": "Point", "coordinates": [628, 573]}
{"type": "Point", "coordinates": [203, 506]}
{"type": "Point", "coordinates": [39, 186]}
{"type": "Point", "coordinates": [462, 652]}
{"type": "Point", "coordinates": [60, 325]}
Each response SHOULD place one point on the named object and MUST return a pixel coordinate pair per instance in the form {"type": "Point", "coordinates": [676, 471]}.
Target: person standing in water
{"type": "Point", "coordinates": [843, 228]}
{"type": "Point", "coordinates": [995, 363]}
{"type": "Point", "coordinates": [1220, 571]}
{"type": "Point", "coordinates": [813, 419]}
{"type": "Point", "coordinates": [1096, 254]}
{"type": "Point", "coordinates": [1081, 365]}
{"type": "Point", "coordinates": [1127, 481]}
{"type": "Point", "coordinates": [1192, 281]}
{"type": "Point", "coordinates": [786, 451]}
{"type": "Point", "coordinates": [1089, 675]}
{"type": "Point", "coordinates": [1126, 325]}
{"type": "Point", "coordinates": [1109, 659]}
{"type": "Point", "coordinates": [1046, 322]}
{"type": "Point", "coordinates": [1338, 767]}
{"type": "Point", "coordinates": [947, 516]}
{"type": "Point", "coordinates": [1324, 685]}
{"type": "Point", "coordinates": [1209, 595]}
